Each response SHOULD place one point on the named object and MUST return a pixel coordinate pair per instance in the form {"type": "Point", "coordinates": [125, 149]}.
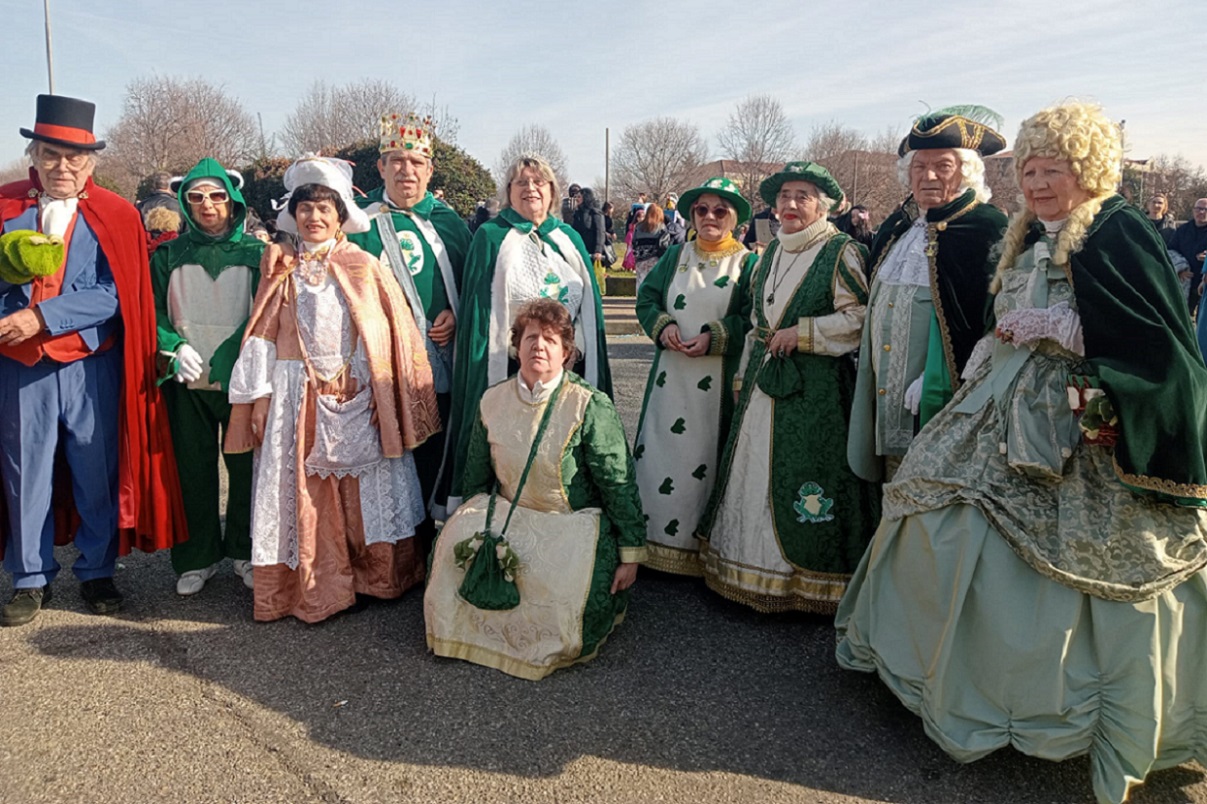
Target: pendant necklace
{"type": "Point", "coordinates": [778, 280]}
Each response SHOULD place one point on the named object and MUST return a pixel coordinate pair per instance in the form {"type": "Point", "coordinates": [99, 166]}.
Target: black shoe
{"type": "Point", "coordinates": [101, 596]}
{"type": "Point", "coordinates": [24, 606]}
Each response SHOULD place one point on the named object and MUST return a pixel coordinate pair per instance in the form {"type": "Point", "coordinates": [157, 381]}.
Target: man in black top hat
{"type": "Point", "coordinates": [77, 372]}
{"type": "Point", "coordinates": [930, 266]}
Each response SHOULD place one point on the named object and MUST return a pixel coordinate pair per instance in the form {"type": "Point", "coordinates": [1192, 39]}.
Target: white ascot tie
{"type": "Point", "coordinates": [57, 214]}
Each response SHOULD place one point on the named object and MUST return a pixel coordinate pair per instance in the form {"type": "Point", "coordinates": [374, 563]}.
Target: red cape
{"type": "Point", "coordinates": [150, 511]}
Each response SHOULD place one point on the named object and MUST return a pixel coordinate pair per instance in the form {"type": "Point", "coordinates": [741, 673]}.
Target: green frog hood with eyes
{"type": "Point", "coordinates": [204, 284]}
{"type": "Point", "coordinates": [231, 181]}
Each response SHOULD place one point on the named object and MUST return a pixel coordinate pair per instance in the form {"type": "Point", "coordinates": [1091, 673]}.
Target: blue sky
{"type": "Point", "coordinates": [578, 68]}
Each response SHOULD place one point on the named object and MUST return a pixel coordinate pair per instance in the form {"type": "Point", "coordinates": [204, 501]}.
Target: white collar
{"type": "Point", "coordinates": [540, 391]}
{"type": "Point", "coordinates": [56, 214]}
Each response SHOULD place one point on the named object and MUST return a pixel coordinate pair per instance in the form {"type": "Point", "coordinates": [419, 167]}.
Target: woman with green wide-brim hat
{"type": "Point", "coordinates": [695, 305]}
{"type": "Point", "coordinates": [788, 521]}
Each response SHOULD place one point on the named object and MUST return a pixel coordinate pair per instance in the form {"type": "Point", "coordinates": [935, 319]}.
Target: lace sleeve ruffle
{"type": "Point", "coordinates": [1059, 323]}
{"type": "Point", "coordinates": [251, 378]}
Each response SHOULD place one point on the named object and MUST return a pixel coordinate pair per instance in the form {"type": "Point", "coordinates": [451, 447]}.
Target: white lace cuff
{"type": "Point", "coordinates": [1059, 323]}
{"type": "Point", "coordinates": [251, 378]}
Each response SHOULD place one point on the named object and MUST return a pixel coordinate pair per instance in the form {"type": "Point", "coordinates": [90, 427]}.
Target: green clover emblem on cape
{"type": "Point", "coordinates": [679, 426]}
{"type": "Point", "coordinates": [672, 527]}
{"type": "Point", "coordinates": [661, 381]}
{"type": "Point", "coordinates": [554, 289]}
{"type": "Point", "coordinates": [700, 472]}
{"type": "Point", "coordinates": [811, 505]}
{"type": "Point", "coordinates": [721, 281]}
{"type": "Point", "coordinates": [705, 384]}
{"type": "Point", "coordinates": [667, 487]}
{"type": "Point", "coordinates": [412, 252]}
{"type": "Point", "coordinates": [638, 452]}
{"type": "Point", "coordinates": [680, 302]}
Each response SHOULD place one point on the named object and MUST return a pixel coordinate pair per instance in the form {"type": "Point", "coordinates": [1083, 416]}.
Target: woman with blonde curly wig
{"type": "Point", "coordinates": [1038, 579]}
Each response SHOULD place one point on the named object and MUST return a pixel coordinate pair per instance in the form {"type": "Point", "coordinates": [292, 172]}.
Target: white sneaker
{"type": "Point", "coordinates": [243, 570]}
{"type": "Point", "coordinates": [192, 582]}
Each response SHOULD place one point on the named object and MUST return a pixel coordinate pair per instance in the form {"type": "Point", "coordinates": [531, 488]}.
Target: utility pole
{"type": "Point", "coordinates": [49, 57]}
{"type": "Point", "coordinates": [607, 163]}
{"type": "Point", "coordinates": [855, 190]}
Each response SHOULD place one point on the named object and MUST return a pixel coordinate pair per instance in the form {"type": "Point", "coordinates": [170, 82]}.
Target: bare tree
{"type": "Point", "coordinates": [169, 123]}
{"type": "Point", "coordinates": [330, 117]}
{"type": "Point", "coordinates": [1180, 180]}
{"type": "Point", "coordinates": [759, 137]}
{"type": "Point", "coordinates": [15, 170]}
{"type": "Point", "coordinates": [533, 139]}
{"type": "Point", "coordinates": [656, 157]}
{"type": "Point", "coordinates": [864, 167]}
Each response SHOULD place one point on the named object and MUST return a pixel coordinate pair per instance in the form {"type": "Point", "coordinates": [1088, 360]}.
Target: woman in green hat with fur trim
{"type": "Point", "coordinates": [695, 305]}
{"type": "Point", "coordinates": [788, 521]}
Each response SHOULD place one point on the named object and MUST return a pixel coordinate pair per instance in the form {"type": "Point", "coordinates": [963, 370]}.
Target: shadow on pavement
{"type": "Point", "coordinates": [689, 682]}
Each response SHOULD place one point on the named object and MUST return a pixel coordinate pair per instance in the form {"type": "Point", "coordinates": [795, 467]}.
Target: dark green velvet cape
{"type": "Point", "coordinates": [961, 267]}
{"type": "Point", "coordinates": [1140, 343]}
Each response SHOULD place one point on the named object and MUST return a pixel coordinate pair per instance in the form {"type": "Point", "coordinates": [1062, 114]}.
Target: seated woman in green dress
{"type": "Point", "coordinates": [1038, 578]}
{"type": "Point", "coordinates": [523, 254]}
{"type": "Point", "coordinates": [535, 586]}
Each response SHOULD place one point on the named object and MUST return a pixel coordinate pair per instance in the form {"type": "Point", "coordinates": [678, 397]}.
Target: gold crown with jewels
{"type": "Point", "coordinates": [410, 133]}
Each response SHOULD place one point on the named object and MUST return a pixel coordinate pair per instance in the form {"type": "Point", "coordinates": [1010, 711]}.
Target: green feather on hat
{"type": "Point", "coordinates": [966, 126]}
{"type": "Point", "coordinates": [26, 254]}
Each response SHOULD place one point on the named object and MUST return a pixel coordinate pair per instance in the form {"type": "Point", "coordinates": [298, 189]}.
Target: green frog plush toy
{"type": "Point", "coordinates": [25, 254]}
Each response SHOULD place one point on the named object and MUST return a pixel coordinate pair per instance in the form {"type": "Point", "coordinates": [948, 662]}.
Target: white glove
{"type": "Point", "coordinates": [913, 396]}
{"type": "Point", "coordinates": [189, 364]}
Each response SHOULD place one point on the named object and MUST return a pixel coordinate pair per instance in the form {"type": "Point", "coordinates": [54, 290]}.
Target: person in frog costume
{"type": "Point", "coordinates": [204, 282]}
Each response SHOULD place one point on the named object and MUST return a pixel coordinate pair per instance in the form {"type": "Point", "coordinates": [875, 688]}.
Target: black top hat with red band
{"type": "Point", "coordinates": [65, 121]}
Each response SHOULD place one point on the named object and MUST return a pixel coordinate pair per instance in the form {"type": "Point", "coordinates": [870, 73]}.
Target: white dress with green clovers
{"type": "Point", "coordinates": [688, 403]}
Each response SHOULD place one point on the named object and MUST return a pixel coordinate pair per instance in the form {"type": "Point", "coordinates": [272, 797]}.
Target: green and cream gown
{"type": "Point", "coordinates": [1016, 592]}
{"type": "Point", "coordinates": [688, 402]}
{"type": "Point", "coordinates": [583, 518]}
{"type": "Point", "coordinates": [788, 520]}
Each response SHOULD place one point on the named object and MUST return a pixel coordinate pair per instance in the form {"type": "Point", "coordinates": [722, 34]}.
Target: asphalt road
{"type": "Point", "coordinates": [692, 700]}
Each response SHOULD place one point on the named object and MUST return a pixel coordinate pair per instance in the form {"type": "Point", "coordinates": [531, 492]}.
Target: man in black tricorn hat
{"type": "Point", "coordinates": [79, 408]}
{"type": "Point", "coordinates": [931, 266]}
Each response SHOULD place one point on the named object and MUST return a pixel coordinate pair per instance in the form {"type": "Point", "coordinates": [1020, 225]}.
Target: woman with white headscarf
{"type": "Point", "coordinates": [333, 390]}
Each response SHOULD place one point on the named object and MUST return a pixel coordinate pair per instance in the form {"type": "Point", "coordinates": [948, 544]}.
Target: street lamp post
{"type": "Point", "coordinates": [49, 55]}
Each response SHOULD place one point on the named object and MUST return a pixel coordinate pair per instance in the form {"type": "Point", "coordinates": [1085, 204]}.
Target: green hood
{"type": "Point", "coordinates": [209, 168]}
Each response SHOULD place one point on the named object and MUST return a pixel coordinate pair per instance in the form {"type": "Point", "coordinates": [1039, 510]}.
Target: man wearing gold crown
{"type": "Point", "coordinates": [930, 268]}
{"type": "Point", "coordinates": [83, 422]}
{"type": "Point", "coordinates": [424, 242]}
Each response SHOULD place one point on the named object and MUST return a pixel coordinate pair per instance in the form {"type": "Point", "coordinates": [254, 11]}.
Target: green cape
{"type": "Point", "coordinates": [1140, 342]}
{"type": "Point", "coordinates": [470, 373]}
